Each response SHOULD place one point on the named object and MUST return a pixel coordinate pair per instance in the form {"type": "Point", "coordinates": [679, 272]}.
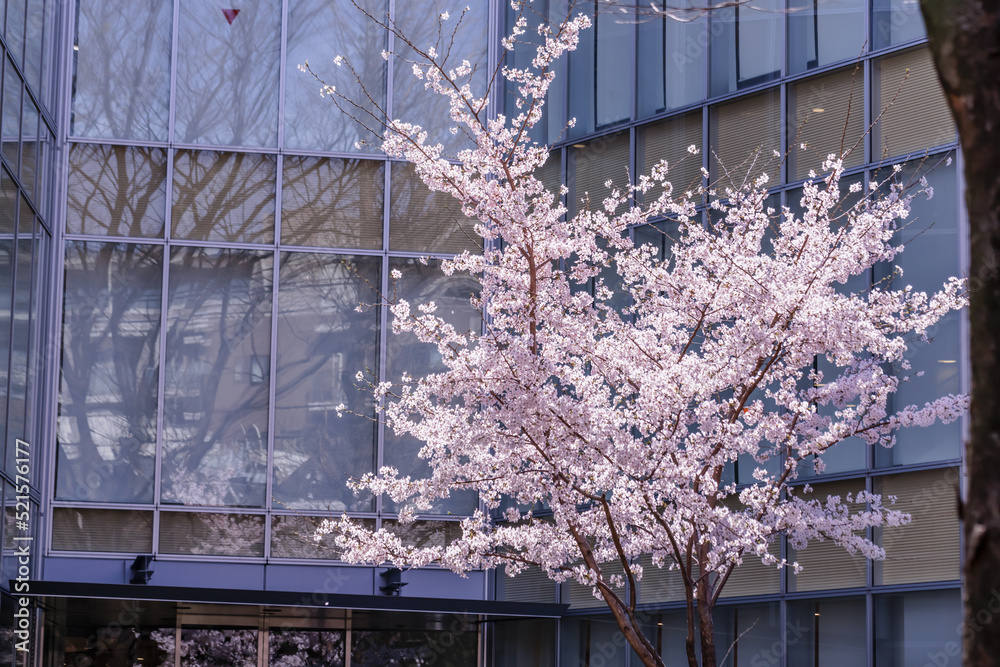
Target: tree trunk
{"type": "Point", "coordinates": [964, 42]}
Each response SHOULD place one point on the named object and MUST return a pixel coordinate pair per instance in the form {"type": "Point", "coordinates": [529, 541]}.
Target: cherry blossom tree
{"type": "Point", "coordinates": [596, 433]}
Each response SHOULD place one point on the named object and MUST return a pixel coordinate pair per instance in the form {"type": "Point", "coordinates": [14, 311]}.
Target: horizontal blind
{"type": "Point", "coordinates": [745, 135]}
{"type": "Point", "coordinates": [593, 164]}
{"type": "Point", "coordinates": [426, 221]}
{"type": "Point", "coordinates": [829, 111]}
{"type": "Point", "coordinates": [915, 112]}
{"type": "Point", "coordinates": [292, 537]}
{"type": "Point", "coordinates": [582, 597]}
{"type": "Point", "coordinates": [332, 202]}
{"type": "Point", "coordinates": [211, 534]}
{"type": "Point", "coordinates": [928, 548]}
{"type": "Point", "coordinates": [116, 190]}
{"type": "Point", "coordinates": [550, 174]}
{"type": "Point", "coordinates": [826, 565]}
{"type": "Point", "coordinates": [118, 531]}
{"type": "Point", "coordinates": [223, 196]}
{"type": "Point", "coordinates": [753, 577]}
{"type": "Point", "coordinates": [531, 585]}
{"type": "Point", "coordinates": [661, 584]}
{"type": "Point", "coordinates": [425, 534]}
{"type": "Point", "coordinates": [669, 141]}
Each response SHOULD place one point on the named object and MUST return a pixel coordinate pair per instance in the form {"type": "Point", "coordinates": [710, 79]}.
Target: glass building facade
{"type": "Point", "coordinates": [187, 230]}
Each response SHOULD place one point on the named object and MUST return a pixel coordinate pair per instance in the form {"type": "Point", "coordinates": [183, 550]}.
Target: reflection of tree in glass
{"type": "Point", "coordinates": [305, 648]}
{"type": "Point", "coordinates": [211, 648]}
{"type": "Point", "coordinates": [227, 74]}
{"type": "Point", "coordinates": [216, 375]}
{"type": "Point", "coordinates": [323, 343]}
{"type": "Point", "coordinates": [419, 22]}
{"type": "Point", "coordinates": [116, 190]}
{"type": "Point", "coordinates": [414, 648]}
{"type": "Point", "coordinates": [212, 534]}
{"type": "Point", "coordinates": [107, 404]}
{"type": "Point", "coordinates": [319, 31]}
{"type": "Point", "coordinates": [121, 86]}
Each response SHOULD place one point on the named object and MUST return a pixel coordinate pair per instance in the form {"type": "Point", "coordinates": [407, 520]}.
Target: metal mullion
{"type": "Point", "coordinates": [113, 239]}
{"type": "Point", "coordinates": [271, 392]}
{"type": "Point", "coordinates": [783, 144]}
{"type": "Point", "coordinates": [172, 103]}
{"type": "Point", "coordinates": [282, 64]}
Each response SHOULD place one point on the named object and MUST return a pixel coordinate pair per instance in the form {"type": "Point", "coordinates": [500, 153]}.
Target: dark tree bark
{"type": "Point", "coordinates": [965, 42]}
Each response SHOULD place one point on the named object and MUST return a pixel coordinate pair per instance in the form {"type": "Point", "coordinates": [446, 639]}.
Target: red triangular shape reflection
{"type": "Point", "coordinates": [230, 14]}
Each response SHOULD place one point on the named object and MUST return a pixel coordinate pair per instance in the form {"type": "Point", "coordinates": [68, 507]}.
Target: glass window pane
{"type": "Point", "coordinates": [224, 196]}
{"type": "Point", "coordinates": [425, 221]}
{"type": "Point", "coordinates": [826, 632]}
{"type": "Point", "coordinates": [14, 34]}
{"type": "Point", "coordinates": [827, 115]}
{"type": "Point", "coordinates": [116, 190]}
{"type": "Point", "coordinates": [210, 534]}
{"type": "Point", "coordinates": [78, 529]}
{"type": "Point", "coordinates": [600, 81]}
{"type": "Point", "coordinates": [895, 22]}
{"type": "Point", "coordinates": [419, 284]}
{"type": "Point", "coordinates": [581, 640]}
{"type": "Point", "coordinates": [746, 45]}
{"type": "Point", "coordinates": [931, 255]}
{"type": "Point", "coordinates": [109, 372]}
{"type": "Point", "coordinates": [525, 643]}
{"type": "Point", "coordinates": [669, 140]}
{"type": "Point", "coordinates": [379, 648]}
{"type": "Point", "coordinates": [467, 40]}
{"type": "Point", "coordinates": [744, 136]}
{"type": "Point", "coordinates": [33, 43]}
{"type": "Point", "coordinates": [323, 343]}
{"type": "Point", "coordinates": [121, 83]}
{"type": "Point", "coordinates": [668, 631]}
{"type": "Point", "coordinates": [912, 111]}
{"type": "Point", "coordinates": [292, 537]}
{"type": "Point", "coordinates": [672, 57]}
{"type": "Point", "coordinates": [919, 628]}
{"type": "Point", "coordinates": [318, 32]}
{"type": "Point", "coordinates": [821, 33]}
{"type": "Point", "coordinates": [745, 632]}
{"type": "Point", "coordinates": [824, 564]}
{"type": "Point", "coordinates": [928, 548]}
{"type": "Point", "coordinates": [425, 534]}
{"type": "Point", "coordinates": [29, 148]}
{"type": "Point", "coordinates": [8, 225]}
{"type": "Point", "coordinates": [23, 363]}
{"type": "Point", "coordinates": [591, 165]}
{"type": "Point", "coordinates": [217, 373]}
{"type": "Point", "coordinates": [227, 73]}
{"type": "Point", "coordinates": [551, 127]}
{"type": "Point", "coordinates": [10, 125]}
{"type": "Point", "coordinates": [332, 203]}
{"type": "Point", "coordinates": [305, 648]}
{"type": "Point", "coordinates": [231, 647]}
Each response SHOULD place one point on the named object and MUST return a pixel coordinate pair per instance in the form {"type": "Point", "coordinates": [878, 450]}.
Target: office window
{"type": "Point", "coordinates": [211, 534]}
{"type": "Point", "coordinates": [747, 632]}
{"type": "Point", "coordinates": [291, 648]}
{"type": "Point", "coordinates": [922, 627]}
{"type": "Point", "coordinates": [421, 220]}
{"type": "Point", "coordinates": [754, 577]}
{"type": "Point", "coordinates": [599, 70]}
{"type": "Point", "coordinates": [223, 196]}
{"type": "Point", "coordinates": [121, 79]}
{"type": "Point", "coordinates": [927, 548]}
{"type": "Point", "coordinates": [672, 57]}
{"type": "Point", "coordinates": [323, 343]}
{"type": "Point", "coordinates": [661, 584]}
{"type": "Point", "coordinates": [931, 255]}
{"type": "Point", "coordinates": [215, 401]}
{"type": "Point", "coordinates": [227, 73]}
{"type": "Point", "coordinates": [419, 21]}
{"type": "Point", "coordinates": [827, 114]}
{"type": "Point", "coordinates": [895, 22]}
{"type": "Point", "coordinates": [116, 190]}
{"type": "Point", "coordinates": [30, 146]}
{"type": "Point", "coordinates": [422, 283]}
{"type": "Point", "coordinates": [591, 165]}
{"type": "Point", "coordinates": [821, 32]}
{"type": "Point", "coordinates": [8, 258]}
{"type": "Point", "coordinates": [527, 643]}
{"type": "Point", "coordinates": [824, 632]}
{"type": "Point", "coordinates": [122, 531]}
{"type": "Point", "coordinates": [292, 537]}
{"type": "Point", "coordinates": [592, 641]}
{"type": "Point", "coordinates": [669, 140]}
{"type": "Point", "coordinates": [109, 372]}
{"type": "Point", "coordinates": [826, 565]}
{"type": "Point", "coordinates": [332, 203]}
{"type": "Point", "coordinates": [913, 112]}
{"type": "Point", "coordinates": [746, 45]}
{"type": "Point", "coordinates": [10, 123]}
{"type": "Point", "coordinates": [318, 32]}
{"type": "Point", "coordinates": [744, 136]}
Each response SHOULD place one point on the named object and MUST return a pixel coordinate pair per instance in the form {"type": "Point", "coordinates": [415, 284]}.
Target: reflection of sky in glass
{"type": "Point", "coordinates": [227, 74]}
